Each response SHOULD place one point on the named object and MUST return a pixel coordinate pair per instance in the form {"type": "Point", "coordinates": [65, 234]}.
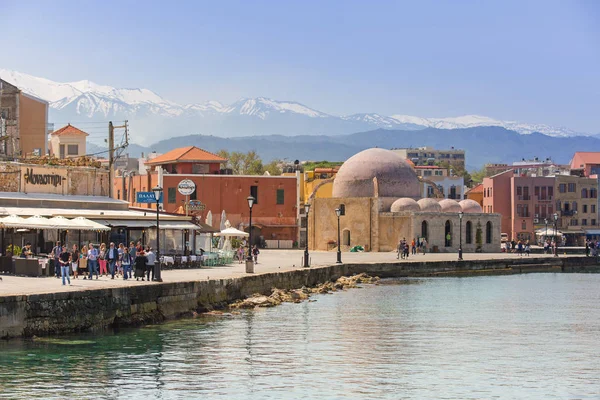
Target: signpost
{"type": "Point", "coordinates": [147, 197]}
{"type": "Point", "coordinates": [186, 187]}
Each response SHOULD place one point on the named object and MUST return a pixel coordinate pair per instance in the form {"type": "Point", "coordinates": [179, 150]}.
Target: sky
{"type": "Point", "coordinates": [529, 61]}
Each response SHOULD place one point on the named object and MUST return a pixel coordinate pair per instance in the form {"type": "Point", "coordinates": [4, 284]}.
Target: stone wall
{"type": "Point", "coordinates": [56, 313]}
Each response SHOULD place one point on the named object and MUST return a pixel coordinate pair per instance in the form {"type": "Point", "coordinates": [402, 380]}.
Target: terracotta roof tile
{"type": "Point", "coordinates": [186, 154]}
{"type": "Point", "coordinates": [68, 130]}
{"type": "Point", "coordinates": [476, 189]}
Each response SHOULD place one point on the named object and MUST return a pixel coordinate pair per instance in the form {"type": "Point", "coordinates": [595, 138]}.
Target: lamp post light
{"type": "Point", "coordinates": [157, 193]}
{"type": "Point", "coordinates": [306, 263]}
{"type": "Point", "coordinates": [460, 251]}
{"type": "Point", "coordinates": [338, 212]}
{"type": "Point", "coordinates": [249, 261]}
{"type": "Point", "coordinates": [554, 235]}
{"type": "Point", "coordinates": [546, 231]}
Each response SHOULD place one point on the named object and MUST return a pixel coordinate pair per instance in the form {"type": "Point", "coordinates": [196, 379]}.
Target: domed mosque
{"type": "Point", "coordinates": [381, 198]}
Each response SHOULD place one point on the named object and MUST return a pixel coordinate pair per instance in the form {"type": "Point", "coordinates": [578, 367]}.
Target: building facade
{"type": "Point", "coordinates": [274, 215]}
{"type": "Point", "coordinates": [450, 187]}
{"type": "Point", "coordinates": [68, 142]}
{"type": "Point", "coordinates": [23, 123]}
{"type": "Point", "coordinates": [430, 156]}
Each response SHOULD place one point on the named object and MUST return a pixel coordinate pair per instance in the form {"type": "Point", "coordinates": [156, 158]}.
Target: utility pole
{"type": "Point", "coordinates": [111, 153]}
{"type": "Point", "coordinates": [111, 158]}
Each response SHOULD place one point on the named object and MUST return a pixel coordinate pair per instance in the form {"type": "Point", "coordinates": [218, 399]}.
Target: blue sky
{"type": "Point", "coordinates": [531, 61]}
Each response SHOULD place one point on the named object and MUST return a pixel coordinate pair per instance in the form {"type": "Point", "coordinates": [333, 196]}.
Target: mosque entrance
{"type": "Point", "coordinates": [448, 234]}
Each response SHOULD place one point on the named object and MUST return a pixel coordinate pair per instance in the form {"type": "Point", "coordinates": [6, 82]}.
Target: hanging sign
{"type": "Point", "coordinates": [196, 205]}
{"type": "Point", "coordinates": [147, 197]}
{"type": "Point", "coordinates": [186, 187]}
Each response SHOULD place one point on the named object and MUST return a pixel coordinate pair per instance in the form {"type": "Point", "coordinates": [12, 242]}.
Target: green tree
{"type": "Point", "coordinates": [477, 176]}
{"type": "Point", "coordinates": [243, 163]}
{"type": "Point", "coordinates": [273, 168]}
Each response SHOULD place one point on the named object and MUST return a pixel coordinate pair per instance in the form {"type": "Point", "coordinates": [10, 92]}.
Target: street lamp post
{"type": "Point", "coordinates": [546, 231]}
{"type": "Point", "coordinates": [554, 235]}
{"type": "Point", "coordinates": [306, 263]}
{"type": "Point", "coordinates": [460, 251]}
{"type": "Point", "coordinates": [249, 261]}
{"type": "Point", "coordinates": [338, 212]}
{"type": "Point", "coordinates": [157, 192]}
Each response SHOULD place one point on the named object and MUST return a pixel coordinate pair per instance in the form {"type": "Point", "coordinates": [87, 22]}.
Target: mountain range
{"type": "Point", "coordinates": [153, 117]}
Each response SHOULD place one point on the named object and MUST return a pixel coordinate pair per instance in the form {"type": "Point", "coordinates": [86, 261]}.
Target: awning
{"type": "Point", "coordinates": [178, 225]}
{"type": "Point", "coordinates": [127, 223]}
{"type": "Point", "coordinates": [573, 232]}
{"type": "Point", "coordinates": [592, 232]}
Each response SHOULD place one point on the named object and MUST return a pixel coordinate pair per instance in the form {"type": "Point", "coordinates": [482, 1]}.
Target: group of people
{"type": "Point", "coordinates": [104, 261]}
{"type": "Point", "coordinates": [405, 248]}
{"type": "Point", "coordinates": [592, 247]}
{"type": "Point", "coordinates": [519, 247]}
{"type": "Point", "coordinates": [242, 253]}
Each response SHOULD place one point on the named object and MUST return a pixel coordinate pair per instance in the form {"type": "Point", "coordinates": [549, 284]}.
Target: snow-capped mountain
{"type": "Point", "coordinates": [152, 116]}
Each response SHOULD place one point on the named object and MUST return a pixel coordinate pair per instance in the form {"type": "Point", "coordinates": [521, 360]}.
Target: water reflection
{"type": "Point", "coordinates": [524, 336]}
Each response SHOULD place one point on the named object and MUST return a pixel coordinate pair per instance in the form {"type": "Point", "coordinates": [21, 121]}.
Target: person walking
{"type": "Point", "coordinates": [587, 248]}
{"type": "Point", "coordinates": [448, 239]}
{"type": "Point", "coordinates": [83, 261]}
{"type": "Point", "coordinates": [140, 265]}
{"type": "Point", "coordinates": [126, 263]}
{"type": "Point", "coordinates": [527, 248]}
{"type": "Point", "coordinates": [102, 259]}
{"type": "Point", "coordinates": [64, 259]}
{"type": "Point", "coordinates": [413, 246]}
{"type": "Point", "coordinates": [56, 256]}
{"type": "Point", "coordinates": [399, 250]}
{"type": "Point", "coordinates": [121, 251]}
{"type": "Point", "coordinates": [520, 248]}
{"type": "Point", "coordinates": [151, 261]}
{"type": "Point", "coordinates": [132, 254]}
{"type": "Point", "coordinates": [240, 254]}
{"type": "Point", "coordinates": [424, 245]}
{"type": "Point", "coordinates": [112, 256]}
{"type": "Point", "coordinates": [75, 261]}
{"type": "Point", "coordinates": [92, 256]}
{"type": "Point", "coordinates": [255, 253]}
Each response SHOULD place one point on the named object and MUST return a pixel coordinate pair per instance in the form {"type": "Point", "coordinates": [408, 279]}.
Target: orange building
{"type": "Point", "coordinates": [476, 193]}
{"type": "Point", "coordinates": [274, 215]}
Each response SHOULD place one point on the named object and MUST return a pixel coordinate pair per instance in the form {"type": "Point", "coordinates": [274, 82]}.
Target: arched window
{"type": "Point", "coordinates": [488, 232]}
{"type": "Point", "coordinates": [424, 230]}
{"type": "Point", "coordinates": [469, 232]}
{"type": "Point", "coordinates": [346, 237]}
{"type": "Point", "coordinates": [448, 234]}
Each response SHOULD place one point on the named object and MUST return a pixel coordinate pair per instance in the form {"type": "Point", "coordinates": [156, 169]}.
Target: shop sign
{"type": "Point", "coordinates": [186, 187]}
{"type": "Point", "coordinates": [32, 178]}
{"type": "Point", "coordinates": [147, 197]}
{"type": "Point", "coordinates": [196, 205]}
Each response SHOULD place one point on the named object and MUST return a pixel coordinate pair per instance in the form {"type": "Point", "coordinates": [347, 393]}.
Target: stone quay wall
{"type": "Point", "coordinates": [58, 313]}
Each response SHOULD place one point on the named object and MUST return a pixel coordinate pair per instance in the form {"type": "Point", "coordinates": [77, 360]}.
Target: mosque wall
{"type": "Point", "coordinates": [356, 225]}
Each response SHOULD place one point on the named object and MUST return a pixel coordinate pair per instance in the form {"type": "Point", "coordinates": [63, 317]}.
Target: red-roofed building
{"type": "Point", "coordinates": [476, 193]}
{"type": "Point", "coordinates": [68, 141]}
{"type": "Point", "coordinates": [188, 160]}
{"type": "Point", "coordinates": [274, 215]}
{"type": "Point", "coordinates": [588, 162]}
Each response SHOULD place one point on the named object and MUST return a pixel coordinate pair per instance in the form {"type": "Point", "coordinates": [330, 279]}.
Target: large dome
{"type": "Point", "coordinates": [394, 175]}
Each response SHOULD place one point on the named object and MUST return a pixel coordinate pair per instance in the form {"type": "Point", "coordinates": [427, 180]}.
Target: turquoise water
{"type": "Point", "coordinates": [533, 336]}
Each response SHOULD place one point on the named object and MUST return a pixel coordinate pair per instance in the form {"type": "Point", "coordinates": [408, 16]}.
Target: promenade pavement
{"type": "Point", "coordinates": [268, 261]}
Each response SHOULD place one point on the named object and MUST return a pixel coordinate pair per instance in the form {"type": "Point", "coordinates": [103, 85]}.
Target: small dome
{"type": "Point", "coordinates": [450, 206]}
{"type": "Point", "coordinates": [395, 177]}
{"type": "Point", "coordinates": [405, 204]}
{"type": "Point", "coordinates": [429, 205]}
{"type": "Point", "coordinates": [470, 206]}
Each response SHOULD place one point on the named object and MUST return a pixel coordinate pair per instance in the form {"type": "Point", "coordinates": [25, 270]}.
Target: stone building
{"type": "Point", "coordinates": [381, 198]}
{"type": "Point", "coordinates": [68, 142]}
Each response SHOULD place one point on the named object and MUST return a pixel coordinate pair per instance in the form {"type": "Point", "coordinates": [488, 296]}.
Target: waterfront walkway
{"type": "Point", "coordinates": [269, 261]}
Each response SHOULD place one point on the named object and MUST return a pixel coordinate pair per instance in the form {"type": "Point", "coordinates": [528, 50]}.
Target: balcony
{"type": "Point", "coordinates": [568, 213]}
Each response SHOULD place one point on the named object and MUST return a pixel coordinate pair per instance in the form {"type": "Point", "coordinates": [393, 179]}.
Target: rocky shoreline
{"type": "Point", "coordinates": [279, 296]}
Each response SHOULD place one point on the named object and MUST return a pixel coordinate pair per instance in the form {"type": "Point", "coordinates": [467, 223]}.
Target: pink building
{"type": "Point", "coordinates": [586, 161]}
{"type": "Point", "coordinates": [524, 202]}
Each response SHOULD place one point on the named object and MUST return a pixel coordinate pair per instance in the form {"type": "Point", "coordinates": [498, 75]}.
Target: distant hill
{"type": "Point", "coordinates": [482, 144]}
